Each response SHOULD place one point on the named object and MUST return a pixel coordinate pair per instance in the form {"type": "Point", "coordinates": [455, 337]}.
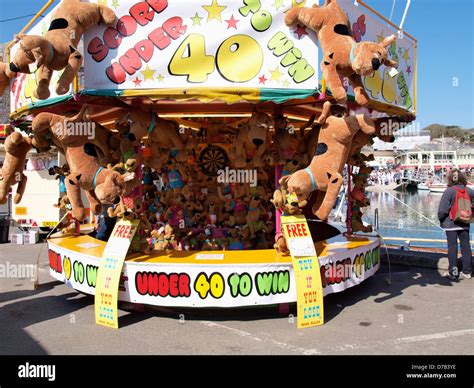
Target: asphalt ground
{"type": "Point", "coordinates": [411, 311]}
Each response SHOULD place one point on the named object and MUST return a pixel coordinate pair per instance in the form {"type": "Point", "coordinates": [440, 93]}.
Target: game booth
{"type": "Point", "coordinates": [213, 141]}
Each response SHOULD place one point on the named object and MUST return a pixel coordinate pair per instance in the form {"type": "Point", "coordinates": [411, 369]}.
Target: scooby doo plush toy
{"type": "Point", "coordinates": [57, 49]}
{"type": "Point", "coordinates": [163, 135]}
{"type": "Point", "coordinates": [324, 172]}
{"type": "Point", "coordinates": [342, 55]}
{"type": "Point", "coordinates": [62, 132]}
{"type": "Point", "coordinates": [16, 148]}
{"type": "Point", "coordinates": [251, 141]}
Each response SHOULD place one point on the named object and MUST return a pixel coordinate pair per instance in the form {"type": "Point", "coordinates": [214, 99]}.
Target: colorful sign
{"type": "Point", "coordinates": [207, 43]}
{"type": "Point", "coordinates": [396, 90]}
{"type": "Point", "coordinates": [193, 282]}
{"type": "Point", "coordinates": [110, 271]}
{"type": "Point", "coordinates": [309, 288]}
{"type": "Point", "coordinates": [23, 86]}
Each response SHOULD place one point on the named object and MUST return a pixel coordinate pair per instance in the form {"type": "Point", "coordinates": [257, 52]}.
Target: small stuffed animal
{"type": "Point", "coordinates": [5, 76]}
{"type": "Point", "coordinates": [342, 55]}
{"type": "Point", "coordinates": [57, 49]}
{"type": "Point", "coordinates": [357, 194]}
{"type": "Point", "coordinates": [356, 221]}
{"type": "Point", "coordinates": [251, 140]}
{"type": "Point", "coordinates": [253, 214]}
{"type": "Point", "coordinates": [70, 226]}
{"type": "Point", "coordinates": [286, 203]}
{"type": "Point", "coordinates": [324, 172]}
{"type": "Point", "coordinates": [16, 148]}
{"type": "Point", "coordinates": [280, 244]}
{"type": "Point", "coordinates": [59, 171]}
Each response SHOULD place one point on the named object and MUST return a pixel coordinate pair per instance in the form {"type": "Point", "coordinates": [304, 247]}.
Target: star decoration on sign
{"type": "Point", "coordinates": [148, 73]}
{"type": "Point", "coordinates": [300, 31]}
{"type": "Point", "coordinates": [408, 70]}
{"type": "Point", "coordinates": [380, 37]}
{"type": "Point", "coordinates": [214, 11]}
{"type": "Point", "coordinates": [285, 83]}
{"type": "Point", "coordinates": [278, 4]}
{"type": "Point", "coordinates": [262, 79]}
{"type": "Point", "coordinates": [137, 81]}
{"type": "Point", "coordinates": [405, 55]}
{"type": "Point", "coordinates": [160, 78]}
{"type": "Point", "coordinates": [196, 19]}
{"type": "Point", "coordinates": [276, 74]}
{"type": "Point", "coordinates": [115, 4]}
{"type": "Point", "coordinates": [102, 2]}
{"type": "Point", "coordinates": [232, 22]}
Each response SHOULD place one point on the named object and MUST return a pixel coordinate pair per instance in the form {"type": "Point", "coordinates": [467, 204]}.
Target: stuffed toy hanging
{"type": "Point", "coordinates": [342, 55]}
{"type": "Point", "coordinates": [251, 141]}
{"type": "Point", "coordinates": [72, 132]}
{"type": "Point", "coordinates": [163, 135]}
{"type": "Point", "coordinates": [101, 185]}
{"type": "Point", "coordinates": [57, 49]}
{"type": "Point", "coordinates": [16, 148]}
{"type": "Point", "coordinates": [5, 76]}
{"type": "Point", "coordinates": [324, 172]}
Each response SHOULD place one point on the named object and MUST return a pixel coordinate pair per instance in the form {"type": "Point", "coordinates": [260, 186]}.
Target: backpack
{"type": "Point", "coordinates": [461, 210]}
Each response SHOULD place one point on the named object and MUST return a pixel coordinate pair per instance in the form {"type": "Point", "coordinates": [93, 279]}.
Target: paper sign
{"type": "Point", "coordinates": [189, 43]}
{"type": "Point", "coordinates": [109, 272]}
{"type": "Point", "coordinates": [309, 289]}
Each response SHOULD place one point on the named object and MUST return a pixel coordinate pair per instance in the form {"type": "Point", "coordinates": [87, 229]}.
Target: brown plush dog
{"type": "Point", "coordinates": [163, 135]}
{"type": "Point", "coordinates": [72, 132]}
{"type": "Point", "coordinates": [16, 148]}
{"type": "Point", "coordinates": [324, 172]}
{"type": "Point", "coordinates": [102, 186]}
{"type": "Point", "coordinates": [57, 49]}
{"type": "Point", "coordinates": [251, 140]}
{"type": "Point", "coordinates": [342, 55]}
{"type": "Point", "coordinates": [5, 76]}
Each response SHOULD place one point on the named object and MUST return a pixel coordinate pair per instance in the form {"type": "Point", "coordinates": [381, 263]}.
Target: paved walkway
{"type": "Point", "coordinates": [419, 313]}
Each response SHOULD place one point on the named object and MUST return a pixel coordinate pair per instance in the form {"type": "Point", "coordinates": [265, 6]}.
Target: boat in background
{"type": "Point", "coordinates": [437, 187]}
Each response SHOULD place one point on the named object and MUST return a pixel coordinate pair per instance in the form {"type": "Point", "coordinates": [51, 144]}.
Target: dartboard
{"type": "Point", "coordinates": [212, 159]}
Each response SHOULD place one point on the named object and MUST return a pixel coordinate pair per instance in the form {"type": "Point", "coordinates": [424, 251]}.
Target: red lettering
{"type": "Point", "coordinates": [116, 74]}
{"type": "Point", "coordinates": [145, 49]}
{"type": "Point", "coordinates": [303, 230]}
{"type": "Point", "coordinates": [126, 25]}
{"type": "Point", "coordinates": [153, 284]}
{"type": "Point", "coordinates": [174, 27]}
{"type": "Point", "coordinates": [174, 285]}
{"type": "Point", "coordinates": [141, 283]}
{"type": "Point", "coordinates": [142, 13]}
{"type": "Point", "coordinates": [97, 49]}
{"type": "Point", "coordinates": [112, 38]}
{"type": "Point", "coordinates": [163, 285]}
{"type": "Point", "coordinates": [159, 38]}
{"type": "Point", "coordinates": [298, 228]}
{"type": "Point", "coordinates": [130, 61]}
{"type": "Point", "coordinates": [158, 5]}
{"type": "Point", "coordinates": [184, 281]}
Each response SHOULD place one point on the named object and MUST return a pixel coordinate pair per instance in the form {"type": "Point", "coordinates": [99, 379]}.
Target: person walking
{"type": "Point", "coordinates": [456, 225]}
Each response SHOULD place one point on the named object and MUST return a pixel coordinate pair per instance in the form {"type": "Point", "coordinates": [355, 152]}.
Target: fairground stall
{"type": "Point", "coordinates": [198, 126]}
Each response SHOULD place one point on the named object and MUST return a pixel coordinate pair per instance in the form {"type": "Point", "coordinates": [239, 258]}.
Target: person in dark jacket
{"type": "Point", "coordinates": [105, 224]}
{"type": "Point", "coordinates": [456, 230]}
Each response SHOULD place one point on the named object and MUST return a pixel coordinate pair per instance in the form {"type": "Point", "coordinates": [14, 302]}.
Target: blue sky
{"type": "Point", "coordinates": [445, 33]}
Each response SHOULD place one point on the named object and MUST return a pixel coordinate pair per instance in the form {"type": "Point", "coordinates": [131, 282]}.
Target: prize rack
{"type": "Point", "coordinates": [220, 277]}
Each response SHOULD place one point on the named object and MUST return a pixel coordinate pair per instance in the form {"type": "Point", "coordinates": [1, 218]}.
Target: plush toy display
{"type": "Point", "coordinates": [342, 55]}
{"type": "Point", "coordinates": [251, 141]}
{"type": "Point", "coordinates": [57, 49]}
{"type": "Point", "coordinates": [324, 172]}
{"type": "Point", "coordinates": [16, 148]}
{"type": "Point", "coordinates": [5, 76]}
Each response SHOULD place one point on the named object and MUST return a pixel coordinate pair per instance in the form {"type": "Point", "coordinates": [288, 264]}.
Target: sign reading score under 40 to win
{"type": "Point", "coordinates": [109, 272]}
{"type": "Point", "coordinates": [309, 289]}
{"type": "Point", "coordinates": [208, 43]}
